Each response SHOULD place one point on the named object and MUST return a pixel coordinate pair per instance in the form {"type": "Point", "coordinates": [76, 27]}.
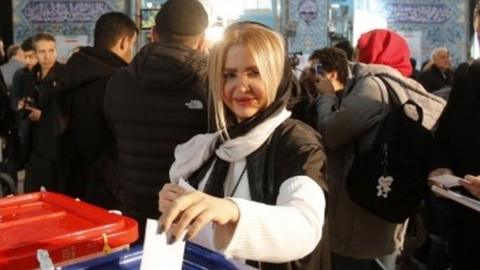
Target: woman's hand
{"type": "Point", "coordinates": [167, 195]}
{"type": "Point", "coordinates": [472, 184]}
{"type": "Point", "coordinates": [192, 211]}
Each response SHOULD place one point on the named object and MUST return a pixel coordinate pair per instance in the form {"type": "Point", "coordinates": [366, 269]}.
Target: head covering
{"type": "Point", "coordinates": [385, 47]}
{"type": "Point", "coordinates": [182, 17]}
{"type": "Point", "coordinates": [281, 99]}
{"type": "Point", "coordinates": [219, 172]}
{"type": "Point", "coordinates": [216, 180]}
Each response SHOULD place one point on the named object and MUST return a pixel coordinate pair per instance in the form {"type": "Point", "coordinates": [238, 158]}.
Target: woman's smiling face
{"type": "Point", "coordinates": [244, 91]}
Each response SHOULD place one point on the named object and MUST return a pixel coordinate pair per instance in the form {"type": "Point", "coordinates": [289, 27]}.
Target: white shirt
{"type": "Point", "coordinates": [279, 233]}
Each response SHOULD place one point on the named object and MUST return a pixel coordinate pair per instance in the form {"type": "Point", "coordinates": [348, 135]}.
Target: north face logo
{"type": "Point", "coordinates": [194, 104]}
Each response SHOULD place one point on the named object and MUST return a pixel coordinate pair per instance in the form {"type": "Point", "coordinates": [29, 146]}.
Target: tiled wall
{"type": "Point", "coordinates": [437, 23]}
{"type": "Point", "coordinates": [62, 17]}
{"type": "Point", "coordinates": [310, 19]}
{"type": "Point", "coordinates": [440, 23]}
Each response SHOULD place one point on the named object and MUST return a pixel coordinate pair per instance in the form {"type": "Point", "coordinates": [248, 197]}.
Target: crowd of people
{"type": "Point", "coordinates": [268, 154]}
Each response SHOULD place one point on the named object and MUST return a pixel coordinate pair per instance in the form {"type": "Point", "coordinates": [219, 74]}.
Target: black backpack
{"type": "Point", "coordinates": [390, 179]}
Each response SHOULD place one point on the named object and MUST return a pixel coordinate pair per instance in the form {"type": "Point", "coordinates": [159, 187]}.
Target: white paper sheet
{"type": "Point", "coordinates": [455, 196]}
{"type": "Point", "coordinates": [157, 254]}
{"type": "Point", "coordinates": [447, 180]}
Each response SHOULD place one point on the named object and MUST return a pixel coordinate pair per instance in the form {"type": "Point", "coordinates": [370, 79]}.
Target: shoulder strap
{"type": "Point", "coordinates": [394, 100]}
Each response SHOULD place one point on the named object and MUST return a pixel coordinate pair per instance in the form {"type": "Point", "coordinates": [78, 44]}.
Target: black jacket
{"type": "Point", "coordinates": [45, 164]}
{"type": "Point", "coordinates": [432, 78]}
{"type": "Point", "coordinates": [47, 132]}
{"type": "Point", "coordinates": [457, 135]}
{"type": "Point", "coordinates": [156, 103]}
{"type": "Point", "coordinates": [85, 80]}
{"type": "Point", "coordinates": [7, 117]}
{"type": "Point", "coordinates": [293, 149]}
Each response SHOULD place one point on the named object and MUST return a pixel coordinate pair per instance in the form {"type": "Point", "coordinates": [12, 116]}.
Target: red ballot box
{"type": "Point", "coordinates": [69, 230]}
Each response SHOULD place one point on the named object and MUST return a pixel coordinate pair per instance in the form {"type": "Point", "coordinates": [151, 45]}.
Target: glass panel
{"type": "Point", "coordinates": [265, 4]}
{"type": "Point", "coordinates": [251, 4]}
{"type": "Point", "coordinates": [152, 3]}
{"type": "Point", "coordinates": [340, 24]}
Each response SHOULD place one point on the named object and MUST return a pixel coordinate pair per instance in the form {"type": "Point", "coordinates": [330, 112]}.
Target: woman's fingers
{"type": "Point", "coordinates": [167, 194]}
{"type": "Point", "coordinates": [472, 185]}
{"type": "Point", "coordinates": [192, 211]}
{"type": "Point", "coordinates": [201, 221]}
{"type": "Point", "coordinates": [189, 216]}
{"type": "Point", "coordinates": [171, 188]}
{"type": "Point", "coordinates": [170, 195]}
{"type": "Point", "coordinates": [164, 205]}
{"type": "Point", "coordinates": [473, 179]}
{"type": "Point", "coordinates": [176, 188]}
{"type": "Point", "coordinates": [177, 207]}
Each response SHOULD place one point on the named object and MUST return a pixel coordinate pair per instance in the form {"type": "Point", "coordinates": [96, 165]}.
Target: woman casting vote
{"type": "Point", "coordinates": [260, 176]}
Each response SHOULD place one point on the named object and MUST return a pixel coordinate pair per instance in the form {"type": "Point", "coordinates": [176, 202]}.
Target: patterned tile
{"type": "Point", "coordinates": [61, 17]}
{"type": "Point", "coordinates": [443, 23]}
{"type": "Point", "coordinates": [311, 17]}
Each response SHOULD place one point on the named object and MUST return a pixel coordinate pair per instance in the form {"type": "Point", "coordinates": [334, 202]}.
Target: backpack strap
{"type": "Point", "coordinates": [394, 100]}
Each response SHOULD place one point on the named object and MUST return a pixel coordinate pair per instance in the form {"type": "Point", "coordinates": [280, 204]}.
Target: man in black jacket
{"type": "Point", "coordinates": [21, 85]}
{"type": "Point", "coordinates": [457, 135]}
{"type": "Point", "coordinates": [42, 105]}
{"type": "Point", "coordinates": [159, 101]}
{"type": "Point", "coordinates": [7, 117]}
{"type": "Point", "coordinates": [439, 74]}
{"type": "Point", "coordinates": [86, 76]}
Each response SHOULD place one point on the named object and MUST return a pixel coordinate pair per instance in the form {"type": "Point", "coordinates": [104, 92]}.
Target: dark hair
{"type": "Point", "coordinates": [27, 44]}
{"type": "Point", "coordinates": [177, 39]}
{"type": "Point", "coordinates": [332, 59]}
{"type": "Point", "coordinates": [112, 26]}
{"type": "Point", "coordinates": [12, 50]}
{"type": "Point", "coordinates": [181, 21]}
{"type": "Point", "coordinates": [345, 46]}
{"type": "Point", "coordinates": [413, 62]}
{"type": "Point", "coordinates": [42, 36]}
{"type": "Point", "coordinates": [182, 17]}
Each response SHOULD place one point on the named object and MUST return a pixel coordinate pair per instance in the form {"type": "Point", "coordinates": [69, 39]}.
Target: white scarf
{"type": "Point", "coordinates": [191, 155]}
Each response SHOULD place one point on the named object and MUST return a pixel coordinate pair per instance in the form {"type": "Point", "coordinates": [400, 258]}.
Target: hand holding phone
{"type": "Point", "coordinates": [319, 70]}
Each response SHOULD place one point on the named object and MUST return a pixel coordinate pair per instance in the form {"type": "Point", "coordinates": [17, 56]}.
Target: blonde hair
{"type": "Point", "coordinates": [267, 48]}
{"type": "Point", "coordinates": [476, 11]}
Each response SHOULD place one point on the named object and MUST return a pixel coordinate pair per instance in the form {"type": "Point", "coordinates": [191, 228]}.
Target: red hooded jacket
{"type": "Point", "coordinates": [385, 47]}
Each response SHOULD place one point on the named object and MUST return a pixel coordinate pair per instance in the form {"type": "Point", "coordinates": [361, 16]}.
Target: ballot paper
{"type": "Point", "coordinates": [184, 184]}
{"type": "Point", "coordinates": [157, 253]}
{"type": "Point", "coordinates": [457, 197]}
{"type": "Point", "coordinates": [205, 236]}
{"type": "Point", "coordinates": [447, 180]}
